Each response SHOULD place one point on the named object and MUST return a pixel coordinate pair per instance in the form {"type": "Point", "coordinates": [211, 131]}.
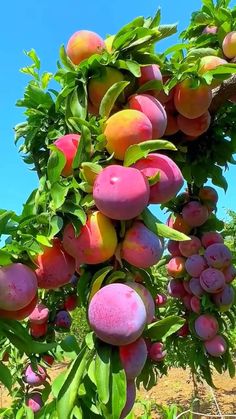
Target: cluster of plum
{"type": "Point", "coordinates": [201, 267]}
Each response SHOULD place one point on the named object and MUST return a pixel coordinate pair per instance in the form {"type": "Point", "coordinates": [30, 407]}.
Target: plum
{"type": "Point", "coordinates": [38, 330]}
{"type": "Point", "coordinates": [121, 193]}
{"type": "Point", "coordinates": [133, 358]}
{"type": "Point", "coordinates": [34, 401]}
{"type": "Point", "coordinates": [18, 287]}
{"type": "Point", "coordinates": [141, 247]}
{"type": "Point", "coordinates": [186, 287]}
{"type": "Point", "coordinates": [63, 320]}
{"type": "Point", "coordinates": [229, 273]}
{"type": "Point", "coordinates": [173, 248]}
{"type": "Point", "coordinates": [195, 304]}
{"type": "Point", "coordinates": [34, 376]}
{"type": "Point", "coordinates": [130, 398]}
{"type": "Point", "coordinates": [190, 247]}
{"type": "Point", "coordinates": [70, 302]}
{"type": "Point", "coordinates": [206, 326]}
{"type": "Point", "coordinates": [160, 300]}
{"type": "Point", "coordinates": [195, 265]}
{"type": "Point", "coordinates": [187, 301]}
{"type": "Point", "coordinates": [211, 237]}
{"type": "Point", "coordinates": [195, 287]}
{"type": "Point", "coordinates": [176, 288]}
{"type": "Point", "coordinates": [39, 315]}
{"type": "Point", "coordinates": [156, 352]}
{"type": "Point", "coordinates": [217, 346]}
{"type": "Point", "coordinates": [225, 298]}
{"type": "Point", "coordinates": [183, 331]}
{"type": "Point", "coordinates": [147, 298]}
{"type": "Point", "coordinates": [117, 314]}
{"type": "Point", "coordinates": [195, 214]}
{"type": "Point", "coordinates": [176, 267]}
{"type": "Point", "coordinates": [212, 280]}
{"type": "Point", "coordinates": [218, 256]}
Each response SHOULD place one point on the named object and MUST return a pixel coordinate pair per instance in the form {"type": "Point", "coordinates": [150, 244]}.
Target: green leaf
{"type": "Point", "coordinates": [58, 193]}
{"type": "Point", "coordinates": [98, 279]}
{"type": "Point", "coordinates": [152, 180]}
{"type": "Point", "coordinates": [110, 97]}
{"type": "Point", "coordinates": [84, 148]}
{"type": "Point", "coordinates": [32, 54]}
{"type": "Point", "coordinates": [160, 229]}
{"type": "Point", "coordinates": [138, 151]}
{"type": "Point", "coordinates": [163, 328]}
{"type": "Point", "coordinates": [151, 85]}
{"type": "Point", "coordinates": [5, 376]}
{"type": "Point", "coordinates": [68, 392]}
{"type": "Point", "coordinates": [71, 208]}
{"type": "Point", "coordinates": [167, 30]}
{"type": "Point", "coordinates": [118, 386]}
{"type": "Point", "coordinates": [65, 59]}
{"type": "Point", "coordinates": [4, 218]}
{"type": "Point", "coordinates": [5, 258]}
{"type": "Point", "coordinates": [56, 163]}
{"type": "Point", "coordinates": [78, 102]}
{"type": "Point", "coordinates": [56, 224]}
{"type": "Point", "coordinates": [102, 372]}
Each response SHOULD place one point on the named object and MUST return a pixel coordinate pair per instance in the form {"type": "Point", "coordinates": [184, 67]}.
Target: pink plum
{"type": "Point", "coordinates": [190, 247]}
{"type": "Point", "coordinates": [186, 287]}
{"type": "Point", "coordinates": [195, 287]}
{"type": "Point", "coordinates": [18, 287]}
{"type": "Point", "coordinates": [176, 288]}
{"type": "Point", "coordinates": [170, 177]}
{"type": "Point", "coordinates": [225, 298]}
{"type": "Point", "coordinates": [117, 314]}
{"type": "Point", "coordinates": [121, 192]}
{"type": "Point", "coordinates": [210, 30]}
{"type": "Point", "coordinates": [39, 315]}
{"type": "Point", "coordinates": [34, 401]}
{"type": "Point", "coordinates": [130, 399]}
{"type": "Point", "coordinates": [141, 247]}
{"type": "Point", "coordinates": [229, 273]}
{"type": "Point", "coordinates": [206, 326]}
{"type": "Point", "coordinates": [156, 352]}
{"type": "Point", "coordinates": [194, 265]}
{"type": "Point", "coordinates": [133, 358]}
{"type": "Point", "coordinates": [216, 346]}
{"type": "Point", "coordinates": [35, 377]}
{"type": "Point", "coordinates": [187, 301]}
{"type": "Point", "coordinates": [153, 109]}
{"type": "Point", "coordinates": [147, 298]}
{"type": "Point", "coordinates": [218, 256]}
{"type": "Point", "coordinates": [212, 280]}
{"type": "Point", "coordinates": [211, 237]}
{"type": "Point", "coordinates": [176, 267]}
{"type": "Point", "coordinates": [160, 300]}
{"type": "Point", "coordinates": [195, 214]}
{"type": "Point", "coordinates": [149, 73]}
{"type": "Point", "coordinates": [195, 304]}
{"type": "Point", "coordinates": [173, 248]}
{"type": "Point", "coordinates": [68, 145]}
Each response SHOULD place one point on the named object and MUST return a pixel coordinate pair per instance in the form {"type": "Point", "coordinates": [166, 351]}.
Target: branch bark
{"type": "Point", "coordinates": [222, 93]}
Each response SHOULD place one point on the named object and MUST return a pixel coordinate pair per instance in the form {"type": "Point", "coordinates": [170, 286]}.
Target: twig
{"type": "Point", "coordinates": [222, 93]}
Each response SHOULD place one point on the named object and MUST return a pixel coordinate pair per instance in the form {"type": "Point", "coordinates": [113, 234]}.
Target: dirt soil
{"type": "Point", "coordinates": [176, 389]}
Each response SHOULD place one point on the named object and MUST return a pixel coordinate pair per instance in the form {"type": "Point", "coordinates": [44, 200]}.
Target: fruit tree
{"type": "Point", "coordinates": [118, 127]}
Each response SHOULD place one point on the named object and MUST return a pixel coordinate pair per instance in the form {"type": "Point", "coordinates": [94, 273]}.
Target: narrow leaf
{"type": "Point", "coordinates": [110, 97]}
{"type": "Point", "coordinates": [138, 151]}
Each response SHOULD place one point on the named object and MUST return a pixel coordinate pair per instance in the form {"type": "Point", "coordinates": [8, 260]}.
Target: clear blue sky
{"type": "Point", "coordinates": [44, 26]}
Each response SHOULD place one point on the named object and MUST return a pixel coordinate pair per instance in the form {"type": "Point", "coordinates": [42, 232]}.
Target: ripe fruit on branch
{"type": "Point", "coordinates": [229, 273]}
{"type": "Point", "coordinates": [216, 346]}
{"type": "Point", "coordinates": [211, 62]}
{"type": "Point", "coordinates": [209, 197]}
{"type": "Point", "coordinates": [195, 287]}
{"type": "Point", "coordinates": [55, 266]}
{"type": "Point", "coordinates": [63, 320]}
{"type": "Point", "coordinates": [83, 44]}
{"type": "Point", "coordinates": [190, 247]}
{"type": "Point", "coordinates": [206, 326]}
{"type": "Point", "coordinates": [38, 330]}
{"type": "Point", "coordinates": [176, 288]}
{"type": "Point", "coordinates": [130, 399]}
{"type": "Point", "coordinates": [156, 352]}
{"type": "Point", "coordinates": [176, 267]}
{"type": "Point", "coordinates": [160, 300]}
{"type": "Point", "coordinates": [124, 129]}
{"type": "Point", "coordinates": [71, 302]}
{"type": "Point", "coordinates": [170, 181]}
{"type": "Point", "coordinates": [95, 243]}
{"type": "Point", "coordinates": [19, 314]}
{"type": "Point", "coordinates": [147, 298]}
{"type": "Point", "coordinates": [141, 247]}
{"type": "Point", "coordinates": [195, 214]}
{"type": "Point", "coordinates": [68, 145]}
{"type": "Point", "coordinates": [225, 298]}
{"type": "Point", "coordinates": [229, 45]}
{"type": "Point", "coordinates": [195, 264]}
{"type": "Point", "coordinates": [117, 314]}
{"type": "Point", "coordinates": [39, 315]}
{"type": "Point", "coordinates": [177, 222]}
{"type": "Point", "coordinates": [153, 109]}
{"type": "Point", "coordinates": [173, 248]}
{"type": "Point", "coordinates": [191, 101]}
{"type": "Point", "coordinates": [218, 256]}
{"type": "Point", "coordinates": [121, 193]}
{"type": "Point", "coordinates": [194, 127]}
{"type": "Point", "coordinates": [133, 358]}
{"type": "Point", "coordinates": [212, 280]}
{"type": "Point", "coordinates": [211, 237]}
{"type": "Point", "coordinates": [150, 73]}
{"type": "Point", "coordinates": [18, 287]}
{"type": "Point", "coordinates": [34, 401]}
{"type": "Point", "coordinates": [35, 377]}
{"type": "Point", "coordinates": [100, 83]}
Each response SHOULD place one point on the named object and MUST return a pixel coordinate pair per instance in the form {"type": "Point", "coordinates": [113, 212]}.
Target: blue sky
{"type": "Point", "coordinates": [44, 26]}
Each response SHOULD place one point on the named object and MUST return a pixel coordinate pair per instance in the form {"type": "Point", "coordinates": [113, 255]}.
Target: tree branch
{"type": "Point", "coordinates": [222, 93]}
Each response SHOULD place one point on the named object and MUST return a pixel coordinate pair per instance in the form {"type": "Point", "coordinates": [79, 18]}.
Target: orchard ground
{"type": "Point", "coordinates": [174, 389]}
